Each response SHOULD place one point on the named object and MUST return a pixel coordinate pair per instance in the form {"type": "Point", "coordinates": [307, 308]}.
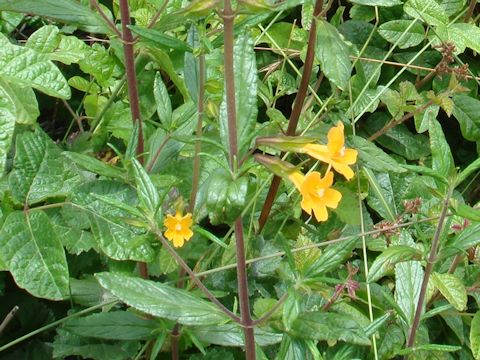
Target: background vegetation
{"type": "Point", "coordinates": [149, 203]}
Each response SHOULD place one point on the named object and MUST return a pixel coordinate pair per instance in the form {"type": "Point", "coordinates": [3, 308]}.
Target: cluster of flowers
{"type": "Point", "coordinates": [316, 191]}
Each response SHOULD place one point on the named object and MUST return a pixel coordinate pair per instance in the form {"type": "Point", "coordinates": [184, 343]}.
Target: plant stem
{"type": "Point", "coordinates": [110, 24]}
{"type": "Point", "coordinates": [129, 55]}
{"type": "Point", "coordinates": [296, 111]}
{"type": "Point", "coordinates": [471, 8]}
{"type": "Point", "coordinates": [246, 319]}
{"type": "Point", "coordinates": [8, 318]}
{"type": "Point", "coordinates": [432, 258]}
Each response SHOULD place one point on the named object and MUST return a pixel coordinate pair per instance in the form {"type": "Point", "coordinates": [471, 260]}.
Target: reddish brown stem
{"type": "Point", "coordinates": [296, 111]}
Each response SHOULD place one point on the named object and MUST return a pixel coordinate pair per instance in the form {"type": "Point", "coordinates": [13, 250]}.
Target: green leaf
{"type": "Point", "coordinates": [24, 66]}
{"type": "Point", "coordinates": [467, 114]}
{"type": "Point", "coordinates": [381, 196]}
{"type": "Point", "coordinates": [34, 254]}
{"type": "Point", "coordinates": [23, 99]}
{"type": "Point", "coordinates": [403, 31]}
{"type": "Point", "coordinates": [442, 160]}
{"type": "Point", "coordinates": [466, 239]}
{"type": "Point", "coordinates": [245, 69]}
{"type": "Point", "coordinates": [333, 54]}
{"type": "Point", "coordinates": [39, 172]}
{"type": "Point", "coordinates": [387, 260]}
{"type": "Point", "coordinates": [164, 105]}
{"type": "Point", "coordinates": [161, 300]}
{"type": "Point", "coordinates": [70, 50]}
{"type": "Point", "coordinates": [377, 2]}
{"type": "Point", "coordinates": [428, 11]}
{"type": "Point", "coordinates": [94, 165]}
{"type": "Point", "coordinates": [115, 237]}
{"type": "Point", "coordinates": [147, 193]}
{"type": "Point", "coordinates": [45, 39]}
{"type": "Point", "coordinates": [7, 125]}
{"type": "Point", "coordinates": [475, 336]}
{"type": "Point", "coordinates": [319, 325]}
{"type": "Point", "coordinates": [391, 342]}
{"type": "Point", "coordinates": [115, 325]}
{"type": "Point", "coordinates": [68, 11]}
{"type": "Point", "coordinates": [160, 39]}
{"type": "Point", "coordinates": [373, 157]}
{"type": "Point", "coordinates": [232, 335]}
{"type": "Point", "coordinates": [452, 288]}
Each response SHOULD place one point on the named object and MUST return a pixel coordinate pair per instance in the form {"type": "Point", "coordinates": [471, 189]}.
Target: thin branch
{"type": "Point", "coordinates": [272, 310]}
{"type": "Point", "coordinates": [469, 13]}
{"type": "Point", "coordinates": [154, 159]}
{"type": "Point", "coordinates": [432, 258]}
{"type": "Point", "coordinates": [8, 318]}
{"type": "Point", "coordinates": [109, 22]}
{"type": "Point", "coordinates": [78, 119]}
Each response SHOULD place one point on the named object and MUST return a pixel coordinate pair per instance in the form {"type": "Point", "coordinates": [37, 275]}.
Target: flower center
{"type": "Point", "coordinates": [178, 227]}
{"type": "Point", "coordinates": [321, 192]}
{"type": "Point", "coordinates": [342, 151]}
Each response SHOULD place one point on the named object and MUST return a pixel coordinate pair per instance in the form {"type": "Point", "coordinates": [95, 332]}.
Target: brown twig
{"type": "Point", "coordinates": [469, 13]}
{"type": "Point", "coordinates": [8, 318]}
{"type": "Point", "coordinates": [109, 22]}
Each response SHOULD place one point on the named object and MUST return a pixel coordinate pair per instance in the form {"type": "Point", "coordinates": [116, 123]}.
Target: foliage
{"type": "Point", "coordinates": [290, 179]}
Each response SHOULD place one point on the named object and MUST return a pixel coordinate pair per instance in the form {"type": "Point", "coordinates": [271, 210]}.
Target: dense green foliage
{"type": "Point", "coordinates": [88, 187]}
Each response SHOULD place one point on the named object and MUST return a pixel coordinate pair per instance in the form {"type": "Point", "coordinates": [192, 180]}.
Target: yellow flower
{"type": "Point", "coordinates": [334, 153]}
{"type": "Point", "coordinates": [316, 192]}
{"type": "Point", "coordinates": [178, 228]}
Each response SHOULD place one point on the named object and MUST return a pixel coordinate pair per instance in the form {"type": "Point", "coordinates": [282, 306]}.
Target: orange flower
{"type": "Point", "coordinates": [316, 192]}
{"type": "Point", "coordinates": [334, 153]}
{"type": "Point", "coordinates": [178, 228]}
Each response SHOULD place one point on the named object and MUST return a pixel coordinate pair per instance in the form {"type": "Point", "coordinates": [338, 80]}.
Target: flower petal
{"type": "Point", "coordinates": [350, 156]}
{"type": "Point", "coordinates": [169, 234]}
{"type": "Point", "coordinates": [343, 169]}
{"type": "Point", "coordinates": [297, 179]}
{"type": "Point", "coordinates": [336, 139]}
{"type": "Point", "coordinates": [332, 197]}
{"type": "Point", "coordinates": [319, 152]}
{"type": "Point", "coordinates": [320, 212]}
{"type": "Point", "coordinates": [178, 240]}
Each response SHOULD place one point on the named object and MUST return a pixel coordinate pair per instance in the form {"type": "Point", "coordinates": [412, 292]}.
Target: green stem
{"type": "Point", "coordinates": [296, 111]}
{"type": "Point", "coordinates": [54, 324]}
{"type": "Point", "coordinates": [432, 258]}
{"type": "Point", "coordinates": [246, 319]}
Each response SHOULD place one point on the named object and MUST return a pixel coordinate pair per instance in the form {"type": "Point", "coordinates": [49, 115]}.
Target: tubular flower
{"type": "Point", "coordinates": [178, 228]}
{"type": "Point", "coordinates": [334, 153]}
{"type": "Point", "coordinates": [316, 192]}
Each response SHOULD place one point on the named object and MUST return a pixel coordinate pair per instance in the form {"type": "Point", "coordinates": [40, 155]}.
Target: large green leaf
{"type": "Point", "coordinates": [115, 325]}
{"type": "Point", "coordinates": [45, 39]}
{"type": "Point", "coordinates": [319, 325]}
{"type": "Point", "coordinates": [27, 67]}
{"type": "Point", "coordinates": [23, 99]}
{"type": "Point", "coordinates": [68, 11]}
{"type": "Point", "coordinates": [115, 237]}
{"type": "Point", "coordinates": [232, 335]}
{"type": "Point", "coordinates": [94, 165]}
{"type": "Point", "coordinates": [161, 39]}
{"type": "Point", "coordinates": [373, 157]}
{"type": "Point", "coordinates": [377, 2]}
{"type": "Point", "coordinates": [428, 11]}
{"type": "Point", "coordinates": [7, 125]}
{"type": "Point", "coordinates": [34, 254]}
{"type": "Point", "coordinates": [386, 261]}
{"type": "Point", "coordinates": [475, 336]}
{"type": "Point", "coordinates": [245, 68]}
{"type": "Point", "coordinates": [39, 171]}
{"type": "Point", "coordinates": [452, 288]}
{"type": "Point", "coordinates": [333, 54]}
{"type": "Point", "coordinates": [403, 31]}
{"type": "Point", "coordinates": [467, 114]}
{"type": "Point", "coordinates": [162, 99]}
{"type": "Point", "coordinates": [442, 160]}
{"type": "Point", "coordinates": [147, 193]}
{"type": "Point", "coordinates": [162, 300]}
{"type": "Point", "coordinates": [381, 196]}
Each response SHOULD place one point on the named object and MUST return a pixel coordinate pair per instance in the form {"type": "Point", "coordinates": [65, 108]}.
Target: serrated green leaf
{"type": "Point", "coordinates": [367, 151]}
{"type": "Point", "coordinates": [466, 239]}
{"type": "Point", "coordinates": [442, 160]}
{"type": "Point", "coordinates": [70, 50]}
{"type": "Point", "coordinates": [115, 325]}
{"type": "Point", "coordinates": [245, 69]}
{"type": "Point", "coordinates": [147, 193]}
{"type": "Point", "coordinates": [403, 31]}
{"type": "Point", "coordinates": [232, 335]}
{"type": "Point", "coordinates": [39, 172]}
{"type": "Point", "coordinates": [381, 196]}
{"type": "Point", "coordinates": [26, 67]}
{"type": "Point", "coordinates": [377, 2]}
{"type": "Point", "coordinates": [94, 165]}
{"type": "Point", "coordinates": [317, 325]}
{"type": "Point", "coordinates": [452, 288]}
{"type": "Point", "coordinates": [7, 125]}
{"type": "Point", "coordinates": [387, 260]}
{"type": "Point", "coordinates": [475, 336]}
{"type": "Point", "coordinates": [333, 54]}
{"type": "Point", "coordinates": [428, 11]}
{"type": "Point", "coordinates": [45, 39]}
{"type": "Point", "coordinates": [68, 11]}
{"type": "Point", "coordinates": [467, 114]}
{"type": "Point", "coordinates": [160, 39]}
{"type": "Point", "coordinates": [164, 105]}
{"type": "Point", "coordinates": [161, 300]}
{"type": "Point", "coordinates": [23, 99]}
{"type": "Point", "coordinates": [115, 237]}
{"type": "Point", "coordinates": [34, 254]}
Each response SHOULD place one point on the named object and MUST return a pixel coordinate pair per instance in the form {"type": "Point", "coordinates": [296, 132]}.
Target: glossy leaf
{"type": "Point", "coordinates": [333, 54]}
{"type": "Point", "coordinates": [402, 32]}
{"type": "Point", "coordinates": [147, 193]}
{"type": "Point", "coordinates": [34, 254]}
{"type": "Point", "coordinates": [115, 237]}
{"type": "Point", "coordinates": [428, 11]}
{"type": "Point", "coordinates": [245, 69]}
{"type": "Point", "coordinates": [475, 336]}
{"type": "Point", "coordinates": [45, 39]}
{"type": "Point", "coordinates": [387, 260]}
{"type": "Point", "coordinates": [7, 125]}
{"type": "Point", "coordinates": [164, 105]}
{"type": "Point", "coordinates": [27, 67]}
{"type": "Point", "coordinates": [39, 172]}
{"type": "Point", "coordinates": [452, 288]}
{"type": "Point", "coordinates": [467, 114]}
{"type": "Point", "coordinates": [94, 165]}
{"type": "Point", "coordinates": [115, 325]}
{"type": "Point", "coordinates": [160, 39]}
{"type": "Point", "coordinates": [377, 2]}
{"type": "Point", "coordinates": [373, 157]}
{"type": "Point", "coordinates": [161, 300]}
{"type": "Point", "coordinates": [381, 196]}
{"type": "Point", "coordinates": [23, 100]}
{"type": "Point", "coordinates": [442, 160]}
{"type": "Point", "coordinates": [232, 335]}
{"type": "Point", "coordinates": [318, 325]}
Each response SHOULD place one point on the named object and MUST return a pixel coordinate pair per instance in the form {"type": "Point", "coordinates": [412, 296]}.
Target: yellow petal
{"type": "Point", "coordinates": [332, 197]}
{"type": "Point", "coordinates": [349, 157]}
{"type": "Point", "coordinates": [169, 234]}
{"type": "Point", "coordinates": [336, 139]}
{"type": "Point", "coordinates": [187, 234]}
{"type": "Point", "coordinates": [343, 169]}
{"type": "Point", "coordinates": [297, 179]}
{"type": "Point", "coordinates": [319, 152]}
{"type": "Point", "coordinates": [178, 240]}
{"type": "Point", "coordinates": [320, 212]}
